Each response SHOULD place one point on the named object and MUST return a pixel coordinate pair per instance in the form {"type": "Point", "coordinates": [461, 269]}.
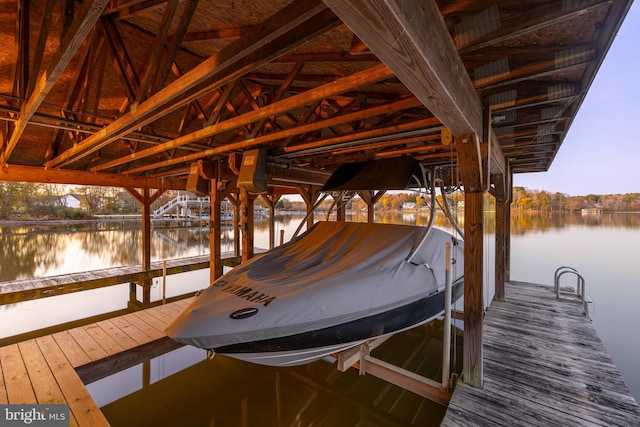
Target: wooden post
{"type": "Point", "coordinates": [473, 287]}
{"type": "Point", "coordinates": [470, 163]}
{"type": "Point", "coordinates": [340, 211]}
{"type": "Point", "coordinates": [145, 199]}
{"type": "Point", "coordinates": [235, 223]}
{"type": "Point", "coordinates": [310, 196]}
{"type": "Point", "coordinates": [146, 244]}
{"type": "Point", "coordinates": [500, 237]}
{"type": "Point", "coordinates": [215, 232]}
{"type": "Point", "coordinates": [371, 199]}
{"type": "Point", "coordinates": [507, 242]}
{"type": "Point", "coordinates": [246, 223]}
{"type": "Point", "coordinates": [271, 200]}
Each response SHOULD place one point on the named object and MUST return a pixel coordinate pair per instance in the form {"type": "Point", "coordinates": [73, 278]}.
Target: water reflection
{"type": "Point", "coordinates": [526, 222]}
{"type": "Point", "coordinates": [228, 392]}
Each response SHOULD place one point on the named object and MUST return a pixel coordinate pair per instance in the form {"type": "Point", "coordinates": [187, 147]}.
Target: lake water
{"type": "Point", "coordinates": [602, 248]}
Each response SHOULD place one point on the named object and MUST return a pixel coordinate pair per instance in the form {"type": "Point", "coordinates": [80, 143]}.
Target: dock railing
{"type": "Point", "coordinates": [580, 285]}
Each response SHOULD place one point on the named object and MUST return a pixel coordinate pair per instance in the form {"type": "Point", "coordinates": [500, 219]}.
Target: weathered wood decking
{"type": "Point", "coordinates": [544, 365]}
{"type": "Point", "coordinates": [45, 370]}
{"type": "Point", "coordinates": [28, 289]}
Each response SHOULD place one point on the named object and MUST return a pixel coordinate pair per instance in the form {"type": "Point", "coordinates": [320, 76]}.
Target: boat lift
{"type": "Point", "coordinates": [360, 356]}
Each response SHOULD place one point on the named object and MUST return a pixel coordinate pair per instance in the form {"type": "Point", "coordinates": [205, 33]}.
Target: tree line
{"type": "Point", "coordinates": [20, 200]}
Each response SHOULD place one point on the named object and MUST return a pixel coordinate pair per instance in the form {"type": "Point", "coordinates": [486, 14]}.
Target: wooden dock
{"type": "Point", "coordinates": [49, 369]}
{"type": "Point", "coordinates": [544, 365]}
{"type": "Point", "coordinates": [28, 289]}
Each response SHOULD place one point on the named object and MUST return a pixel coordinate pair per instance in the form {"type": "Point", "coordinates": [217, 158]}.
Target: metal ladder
{"type": "Point", "coordinates": [580, 285]}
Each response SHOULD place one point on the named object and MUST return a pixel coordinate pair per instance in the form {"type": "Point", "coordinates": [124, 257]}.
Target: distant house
{"type": "Point", "coordinates": [409, 206]}
{"type": "Point", "coordinates": [72, 201]}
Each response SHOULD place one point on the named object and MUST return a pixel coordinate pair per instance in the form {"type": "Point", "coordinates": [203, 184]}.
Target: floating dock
{"type": "Point", "coordinates": [544, 364]}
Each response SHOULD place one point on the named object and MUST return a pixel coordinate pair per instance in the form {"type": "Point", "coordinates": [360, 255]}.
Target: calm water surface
{"type": "Point", "coordinates": [186, 389]}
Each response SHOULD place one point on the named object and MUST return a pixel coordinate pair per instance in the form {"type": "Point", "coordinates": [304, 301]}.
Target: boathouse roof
{"type": "Point", "coordinates": [131, 93]}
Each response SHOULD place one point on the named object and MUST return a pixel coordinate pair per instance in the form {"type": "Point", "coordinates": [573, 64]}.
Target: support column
{"type": "Point", "coordinates": [500, 239]}
{"type": "Point", "coordinates": [215, 231]}
{"type": "Point", "coordinates": [146, 199]}
{"type": "Point", "coordinates": [235, 222]}
{"type": "Point", "coordinates": [371, 198]}
{"type": "Point", "coordinates": [472, 369]}
{"type": "Point", "coordinates": [310, 196]}
{"type": "Point", "coordinates": [246, 223]}
{"type": "Point", "coordinates": [271, 200]}
{"type": "Point", "coordinates": [507, 243]}
{"type": "Point", "coordinates": [219, 192]}
{"type": "Point", "coordinates": [146, 245]}
{"type": "Point", "coordinates": [341, 211]}
{"type": "Point", "coordinates": [474, 180]}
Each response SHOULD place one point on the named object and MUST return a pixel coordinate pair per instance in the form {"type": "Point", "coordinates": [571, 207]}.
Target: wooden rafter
{"type": "Point", "coordinates": [20, 65]}
{"type": "Point", "coordinates": [260, 140]}
{"type": "Point", "coordinates": [123, 65]}
{"type": "Point", "coordinates": [174, 42]}
{"type": "Point", "coordinates": [155, 56]}
{"type": "Point", "coordinates": [288, 28]}
{"type": "Point", "coordinates": [79, 30]}
{"type": "Point", "coordinates": [45, 25]}
{"type": "Point", "coordinates": [368, 76]}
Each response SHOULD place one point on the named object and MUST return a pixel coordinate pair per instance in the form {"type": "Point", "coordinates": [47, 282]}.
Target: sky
{"type": "Point", "coordinates": [601, 152]}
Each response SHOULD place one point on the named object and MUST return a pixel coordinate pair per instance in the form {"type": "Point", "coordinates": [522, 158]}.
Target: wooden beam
{"type": "Point", "coordinates": [154, 57]}
{"type": "Point", "coordinates": [263, 139]}
{"type": "Point", "coordinates": [17, 173]}
{"type": "Point", "coordinates": [175, 41]}
{"type": "Point", "coordinates": [82, 25]}
{"type": "Point", "coordinates": [123, 65]}
{"type": "Point", "coordinates": [370, 75]}
{"type": "Point", "coordinates": [292, 26]}
{"type": "Point", "coordinates": [411, 38]}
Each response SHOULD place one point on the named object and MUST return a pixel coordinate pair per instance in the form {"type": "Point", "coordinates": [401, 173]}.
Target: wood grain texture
{"type": "Point", "coordinates": [544, 364]}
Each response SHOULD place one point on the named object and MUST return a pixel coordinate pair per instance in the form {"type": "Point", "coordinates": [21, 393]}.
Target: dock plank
{"type": "Point", "coordinates": [81, 404]}
{"type": "Point", "coordinates": [103, 339]}
{"type": "Point", "coordinates": [117, 334]}
{"type": "Point", "coordinates": [145, 323]}
{"type": "Point", "coordinates": [156, 318]}
{"type": "Point", "coordinates": [42, 380]}
{"type": "Point", "coordinates": [135, 333]}
{"type": "Point", "coordinates": [16, 378]}
{"type": "Point", "coordinates": [72, 350]}
{"type": "Point", "coordinates": [544, 364]}
{"type": "Point", "coordinates": [88, 344]}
